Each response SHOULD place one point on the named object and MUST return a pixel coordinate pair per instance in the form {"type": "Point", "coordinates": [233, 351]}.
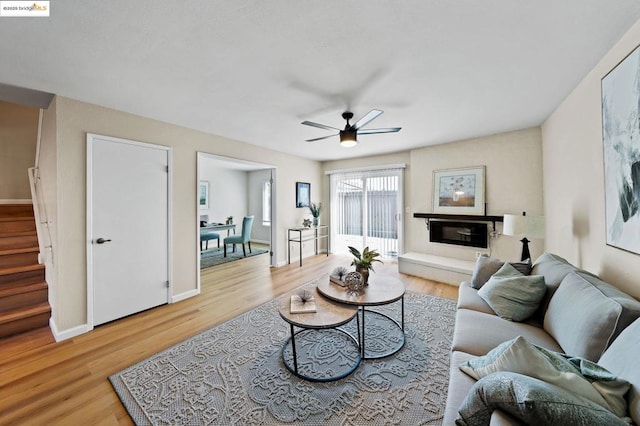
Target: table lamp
{"type": "Point", "coordinates": [523, 226]}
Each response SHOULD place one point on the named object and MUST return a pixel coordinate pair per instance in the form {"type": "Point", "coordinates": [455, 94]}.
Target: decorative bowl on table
{"type": "Point", "coordinates": [354, 283]}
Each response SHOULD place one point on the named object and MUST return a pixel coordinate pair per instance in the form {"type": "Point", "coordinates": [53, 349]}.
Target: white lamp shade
{"type": "Point", "coordinates": [523, 226]}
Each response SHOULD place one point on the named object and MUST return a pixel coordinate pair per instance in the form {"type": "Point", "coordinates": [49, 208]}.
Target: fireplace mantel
{"type": "Point", "coordinates": [469, 217]}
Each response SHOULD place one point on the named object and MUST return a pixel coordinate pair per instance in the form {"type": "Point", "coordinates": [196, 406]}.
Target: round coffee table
{"type": "Point", "coordinates": [380, 291]}
{"type": "Point", "coordinates": [320, 352]}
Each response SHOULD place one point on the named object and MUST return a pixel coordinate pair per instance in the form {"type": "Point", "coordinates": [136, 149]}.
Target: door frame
{"type": "Point", "coordinates": [251, 165]}
{"type": "Point", "coordinates": [89, 218]}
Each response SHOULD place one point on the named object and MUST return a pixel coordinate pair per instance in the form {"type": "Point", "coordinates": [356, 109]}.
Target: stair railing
{"type": "Point", "coordinates": [43, 230]}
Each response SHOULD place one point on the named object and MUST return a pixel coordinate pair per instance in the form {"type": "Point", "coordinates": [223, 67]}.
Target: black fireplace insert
{"type": "Point", "coordinates": [458, 233]}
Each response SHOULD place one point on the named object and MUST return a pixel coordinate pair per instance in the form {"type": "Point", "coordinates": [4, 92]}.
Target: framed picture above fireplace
{"type": "Point", "coordinates": [459, 191]}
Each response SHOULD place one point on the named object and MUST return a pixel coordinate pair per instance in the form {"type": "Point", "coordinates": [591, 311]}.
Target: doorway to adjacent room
{"type": "Point", "coordinates": [228, 190]}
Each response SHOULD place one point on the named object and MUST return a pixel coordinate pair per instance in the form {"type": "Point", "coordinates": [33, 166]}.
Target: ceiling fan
{"type": "Point", "coordinates": [349, 136]}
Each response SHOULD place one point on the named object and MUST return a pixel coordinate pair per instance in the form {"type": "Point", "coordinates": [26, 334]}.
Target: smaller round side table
{"type": "Point", "coordinates": [320, 351]}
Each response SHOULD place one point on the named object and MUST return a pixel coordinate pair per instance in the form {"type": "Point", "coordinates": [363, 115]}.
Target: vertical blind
{"type": "Point", "coordinates": [366, 210]}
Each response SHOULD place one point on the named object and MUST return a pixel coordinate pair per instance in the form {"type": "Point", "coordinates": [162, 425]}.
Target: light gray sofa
{"type": "Point", "coordinates": [580, 316]}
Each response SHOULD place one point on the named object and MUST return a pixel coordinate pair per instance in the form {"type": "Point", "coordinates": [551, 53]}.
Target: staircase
{"type": "Point", "coordinates": [24, 295]}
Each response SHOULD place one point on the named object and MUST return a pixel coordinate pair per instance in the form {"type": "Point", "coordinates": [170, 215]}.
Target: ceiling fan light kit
{"type": "Point", "coordinates": [349, 136]}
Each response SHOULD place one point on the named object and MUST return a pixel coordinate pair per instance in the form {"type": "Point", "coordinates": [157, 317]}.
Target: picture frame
{"type": "Point", "coordinates": [203, 195]}
{"type": "Point", "coordinates": [621, 153]}
{"type": "Point", "coordinates": [303, 194]}
{"type": "Point", "coordinates": [459, 191]}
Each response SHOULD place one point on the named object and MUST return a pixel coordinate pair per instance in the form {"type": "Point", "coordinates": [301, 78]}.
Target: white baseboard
{"type": "Point", "coordinates": [69, 333]}
{"type": "Point", "coordinates": [185, 295]}
{"type": "Point", "coordinates": [19, 201]}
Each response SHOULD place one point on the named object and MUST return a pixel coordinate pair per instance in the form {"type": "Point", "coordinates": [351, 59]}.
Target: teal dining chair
{"type": "Point", "coordinates": [205, 236]}
{"type": "Point", "coordinates": [243, 238]}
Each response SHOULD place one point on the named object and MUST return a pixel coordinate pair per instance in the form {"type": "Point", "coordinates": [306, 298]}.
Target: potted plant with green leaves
{"type": "Point", "coordinates": [315, 210]}
{"type": "Point", "coordinates": [364, 261]}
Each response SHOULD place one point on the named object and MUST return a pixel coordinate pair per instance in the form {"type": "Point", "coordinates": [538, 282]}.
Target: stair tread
{"type": "Point", "coordinates": [23, 268]}
{"type": "Point", "coordinates": [6, 252]}
{"type": "Point", "coordinates": [20, 313]}
{"type": "Point", "coordinates": [18, 234]}
{"type": "Point", "coordinates": [22, 288]}
{"type": "Point", "coordinates": [6, 218]}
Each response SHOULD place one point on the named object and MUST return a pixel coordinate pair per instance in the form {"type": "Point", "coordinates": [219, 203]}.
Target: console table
{"type": "Point", "coordinates": [300, 235]}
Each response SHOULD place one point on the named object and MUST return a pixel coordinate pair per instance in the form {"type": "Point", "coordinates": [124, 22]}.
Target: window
{"type": "Point", "coordinates": [266, 203]}
{"type": "Point", "coordinates": [366, 209]}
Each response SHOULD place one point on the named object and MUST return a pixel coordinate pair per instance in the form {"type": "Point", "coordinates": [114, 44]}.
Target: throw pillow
{"type": "Point", "coordinates": [486, 266]}
{"type": "Point", "coordinates": [575, 375]}
{"type": "Point", "coordinates": [581, 318]}
{"type": "Point", "coordinates": [531, 401]}
{"type": "Point", "coordinates": [511, 295]}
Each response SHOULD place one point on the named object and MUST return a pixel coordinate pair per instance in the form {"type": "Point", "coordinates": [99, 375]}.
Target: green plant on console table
{"type": "Point", "coordinates": [315, 209]}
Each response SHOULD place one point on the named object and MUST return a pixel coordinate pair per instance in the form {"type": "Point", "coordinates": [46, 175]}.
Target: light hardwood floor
{"type": "Point", "coordinates": [43, 382]}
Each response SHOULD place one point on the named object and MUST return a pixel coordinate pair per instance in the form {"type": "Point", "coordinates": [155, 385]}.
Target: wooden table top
{"type": "Point", "coordinates": [328, 314]}
{"type": "Point", "coordinates": [380, 291]}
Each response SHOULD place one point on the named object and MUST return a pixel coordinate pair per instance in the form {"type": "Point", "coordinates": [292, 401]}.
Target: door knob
{"type": "Point", "coordinates": [102, 241]}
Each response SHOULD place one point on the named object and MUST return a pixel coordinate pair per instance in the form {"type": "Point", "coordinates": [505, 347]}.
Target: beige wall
{"type": "Point", "coordinates": [74, 119]}
{"type": "Point", "coordinates": [18, 137]}
{"type": "Point", "coordinates": [574, 178]}
{"type": "Point", "coordinates": [513, 184]}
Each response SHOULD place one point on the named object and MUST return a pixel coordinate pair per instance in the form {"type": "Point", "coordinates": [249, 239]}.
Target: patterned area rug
{"type": "Point", "coordinates": [213, 257]}
{"type": "Point", "coordinates": [233, 374]}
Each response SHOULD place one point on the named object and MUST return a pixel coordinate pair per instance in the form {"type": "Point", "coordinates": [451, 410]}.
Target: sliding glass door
{"type": "Point", "coordinates": [366, 210]}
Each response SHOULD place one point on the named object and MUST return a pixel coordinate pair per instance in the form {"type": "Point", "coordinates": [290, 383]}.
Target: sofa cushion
{"type": "Point", "coordinates": [531, 401]}
{"type": "Point", "coordinates": [621, 358]}
{"type": "Point", "coordinates": [468, 299]}
{"type": "Point", "coordinates": [477, 333]}
{"type": "Point", "coordinates": [486, 266]}
{"type": "Point", "coordinates": [582, 319]}
{"type": "Point", "coordinates": [576, 375]}
{"type": "Point", "coordinates": [553, 268]}
{"type": "Point", "coordinates": [512, 295]}
{"type": "Point", "coordinates": [459, 385]}
{"type": "Point", "coordinates": [630, 306]}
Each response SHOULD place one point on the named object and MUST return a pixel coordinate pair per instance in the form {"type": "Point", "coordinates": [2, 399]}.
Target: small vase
{"type": "Point", "coordinates": [365, 275]}
{"type": "Point", "coordinates": [315, 221]}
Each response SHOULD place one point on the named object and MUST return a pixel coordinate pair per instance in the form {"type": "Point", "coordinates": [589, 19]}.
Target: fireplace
{"type": "Point", "coordinates": [458, 233]}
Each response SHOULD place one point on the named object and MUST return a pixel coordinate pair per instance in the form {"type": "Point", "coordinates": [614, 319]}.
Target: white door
{"type": "Point", "coordinates": [127, 227]}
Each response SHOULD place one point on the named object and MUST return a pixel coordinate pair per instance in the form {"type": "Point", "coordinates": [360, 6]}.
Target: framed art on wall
{"type": "Point", "coordinates": [621, 153]}
{"type": "Point", "coordinates": [303, 194]}
{"type": "Point", "coordinates": [203, 195]}
{"type": "Point", "coordinates": [459, 191]}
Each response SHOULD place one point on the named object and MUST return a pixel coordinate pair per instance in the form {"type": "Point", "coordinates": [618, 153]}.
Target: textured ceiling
{"type": "Point", "coordinates": [253, 70]}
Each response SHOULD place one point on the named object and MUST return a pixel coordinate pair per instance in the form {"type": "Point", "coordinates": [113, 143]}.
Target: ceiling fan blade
{"type": "Point", "coordinates": [323, 137]}
{"type": "Point", "coordinates": [371, 115]}
{"type": "Point", "coordinates": [384, 130]}
{"type": "Point", "coordinates": [321, 126]}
